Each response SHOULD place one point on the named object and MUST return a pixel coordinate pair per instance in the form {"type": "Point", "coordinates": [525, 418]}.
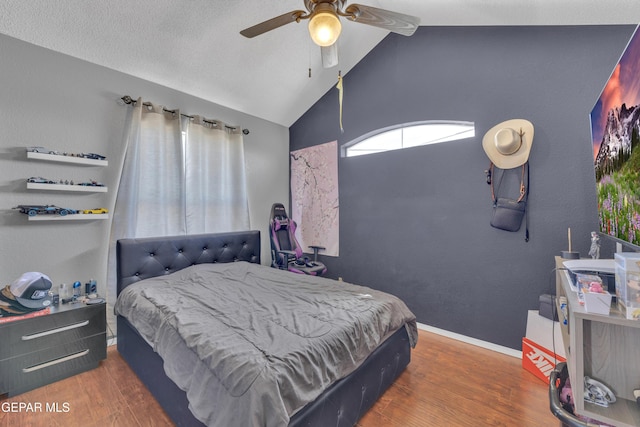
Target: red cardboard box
{"type": "Point", "coordinates": [539, 360]}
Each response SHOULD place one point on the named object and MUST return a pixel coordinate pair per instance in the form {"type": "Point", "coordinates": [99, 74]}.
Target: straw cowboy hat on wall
{"type": "Point", "coordinates": [508, 144]}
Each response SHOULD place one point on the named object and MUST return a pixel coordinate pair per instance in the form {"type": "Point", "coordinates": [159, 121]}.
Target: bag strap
{"type": "Point", "coordinates": [523, 188]}
{"type": "Point", "coordinates": [526, 211]}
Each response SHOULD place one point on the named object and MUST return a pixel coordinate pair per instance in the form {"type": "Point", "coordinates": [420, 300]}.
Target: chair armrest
{"type": "Point", "coordinates": [284, 256]}
{"type": "Point", "coordinates": [315, 251]}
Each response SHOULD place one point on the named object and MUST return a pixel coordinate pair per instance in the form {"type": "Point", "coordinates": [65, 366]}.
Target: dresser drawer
{"type": "Point", "coordinates": [39, 333]}
{"type": "Point", "coordinates": [25, 372]}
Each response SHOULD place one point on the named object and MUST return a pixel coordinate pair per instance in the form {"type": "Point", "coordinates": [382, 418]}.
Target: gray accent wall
{"type": "Point", "coordinates": [415, 222]}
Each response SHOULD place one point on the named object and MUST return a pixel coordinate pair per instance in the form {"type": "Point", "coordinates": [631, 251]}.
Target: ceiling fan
{"type": "Point", "coordinates": [325, 26]}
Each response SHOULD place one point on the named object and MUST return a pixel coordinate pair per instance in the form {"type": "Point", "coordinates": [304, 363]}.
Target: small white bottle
{"type": "Point", "coordinates": [65, 291]}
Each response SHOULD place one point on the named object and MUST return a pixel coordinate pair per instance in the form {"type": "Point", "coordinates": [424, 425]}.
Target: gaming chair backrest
{"type": "Point", "coordinates": [283, 231]}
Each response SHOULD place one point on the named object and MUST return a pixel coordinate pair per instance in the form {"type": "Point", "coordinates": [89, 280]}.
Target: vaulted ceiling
{"type": "Point", "coordinates": [194, 46]}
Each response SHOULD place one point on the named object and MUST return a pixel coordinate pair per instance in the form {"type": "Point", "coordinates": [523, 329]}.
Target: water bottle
{"type": "Point", "coordinates": [64, 291]}
{"type": "Point", "coordinates": [76, 289]}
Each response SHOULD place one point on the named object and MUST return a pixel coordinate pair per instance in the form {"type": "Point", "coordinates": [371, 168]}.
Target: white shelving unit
{"type": "Point", "coordinates": [605, 348]}
{"type": "Point", "coordinates": [65, 187]}
{"type": "Point", "coordinates": [66, 159]}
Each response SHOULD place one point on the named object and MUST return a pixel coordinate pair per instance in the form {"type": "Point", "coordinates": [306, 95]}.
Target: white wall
{"type": "Point", "coordinates": [65, 104]}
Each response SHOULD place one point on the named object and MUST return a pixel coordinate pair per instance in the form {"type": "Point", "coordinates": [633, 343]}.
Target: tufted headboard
{"type": "Point", "coordinates": [141, 258]}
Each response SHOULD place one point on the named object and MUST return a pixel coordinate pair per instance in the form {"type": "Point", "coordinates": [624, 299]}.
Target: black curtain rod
{"type": "Point", "coordinates": [128, 100]}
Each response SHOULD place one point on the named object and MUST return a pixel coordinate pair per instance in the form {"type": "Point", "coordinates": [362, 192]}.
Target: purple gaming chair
{"type": "Point", "coordinates": [286, 253]}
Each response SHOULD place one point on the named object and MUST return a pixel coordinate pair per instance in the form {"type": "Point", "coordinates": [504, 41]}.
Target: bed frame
{"type": "Point", "coordinates": [342, 404]}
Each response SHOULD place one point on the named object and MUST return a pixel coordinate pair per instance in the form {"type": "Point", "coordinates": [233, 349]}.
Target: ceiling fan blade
{"type": "Point", "coordinates": [329, 55]}
{"type": "Point", "coordinates": [273, 23]}
{"type": "Point", "coordinates": [392, 21]}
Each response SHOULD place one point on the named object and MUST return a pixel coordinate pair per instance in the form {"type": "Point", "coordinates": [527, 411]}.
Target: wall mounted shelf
{"type": "Point", "coordinates": [64, 187]}
{"type": "Point", "coordinates": [66, 159]}
{"type": "Point", "coordinates": [67, 187]}
{"type": "Point", "coordinates": [73, 217]}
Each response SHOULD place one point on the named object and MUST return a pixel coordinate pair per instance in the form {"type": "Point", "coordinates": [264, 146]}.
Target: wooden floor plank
{"type": "Point", "coordinates": [448, 383]}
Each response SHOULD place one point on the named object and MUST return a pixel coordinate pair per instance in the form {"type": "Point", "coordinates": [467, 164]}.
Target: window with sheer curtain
{"type": "Point", "coordinates": [181, 175]}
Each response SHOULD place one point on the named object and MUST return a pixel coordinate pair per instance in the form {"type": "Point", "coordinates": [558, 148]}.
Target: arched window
{"type": "Point", "coordinates": [408, 135]}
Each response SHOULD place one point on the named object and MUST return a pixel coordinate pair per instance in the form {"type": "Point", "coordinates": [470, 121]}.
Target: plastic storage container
{"type": "Point", "coordinates": [628, 284]}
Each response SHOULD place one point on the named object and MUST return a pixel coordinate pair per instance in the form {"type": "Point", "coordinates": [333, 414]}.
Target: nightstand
{"type": "Point", "coordinates": [41, 350]}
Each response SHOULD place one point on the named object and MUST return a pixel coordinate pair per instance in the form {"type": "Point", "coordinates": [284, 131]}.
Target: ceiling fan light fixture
{"type": "Point", "coordinates": [324, 27]}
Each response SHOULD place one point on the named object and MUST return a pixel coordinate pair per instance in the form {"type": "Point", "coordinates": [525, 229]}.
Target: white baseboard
{"type": "Point", "coordinates": [479, 343]}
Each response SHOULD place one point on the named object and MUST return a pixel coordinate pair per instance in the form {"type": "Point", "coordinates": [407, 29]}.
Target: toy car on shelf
{"type": "Point", "coordinates": [92, 156]}
{"type": "Point", "coordinates": [42, 150]}
{"type": "Point", "coordinates": [33, 210]}
{"type": "Point", "coordinates": [40, 180]}
{"type": "Point", "coordinates": [91, 183]}
{"type": "Point", "coordinates": [96, 211]}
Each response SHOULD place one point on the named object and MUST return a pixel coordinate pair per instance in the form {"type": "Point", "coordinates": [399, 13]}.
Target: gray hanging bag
{"type": "Point", "coordinates": [508, 213]}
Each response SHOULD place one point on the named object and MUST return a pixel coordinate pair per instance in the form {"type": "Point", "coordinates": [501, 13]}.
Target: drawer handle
{"type": "Point", "coordinates": [55, 362]}
{"type": "Point", "coordinates": [55, 331]}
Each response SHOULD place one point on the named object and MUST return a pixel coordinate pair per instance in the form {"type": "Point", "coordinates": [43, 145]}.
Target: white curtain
{"type": "Point", "coordinates": [151, 200]}
{"type": "Point", "coordinates": [215, 177]}
{"type": "Point", "coordinates": [179, 176]}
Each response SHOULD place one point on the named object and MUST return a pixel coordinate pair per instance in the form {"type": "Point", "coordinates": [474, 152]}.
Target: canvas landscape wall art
{"type": "Point", "coordinates": [615, 131]}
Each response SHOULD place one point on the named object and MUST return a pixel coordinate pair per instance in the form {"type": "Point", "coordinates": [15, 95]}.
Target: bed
{"type": "Point", "coordinates": [219, 339]}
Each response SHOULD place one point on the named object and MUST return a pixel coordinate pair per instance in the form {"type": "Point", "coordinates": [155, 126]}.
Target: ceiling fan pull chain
{"type": "Point", "coordinates": [340, 95]}
{"type": "Point", "coordinates": [309, 57]}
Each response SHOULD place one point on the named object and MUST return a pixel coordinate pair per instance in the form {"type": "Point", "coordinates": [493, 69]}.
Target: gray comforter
{"type": "Point", "coordinates": [251, 345]}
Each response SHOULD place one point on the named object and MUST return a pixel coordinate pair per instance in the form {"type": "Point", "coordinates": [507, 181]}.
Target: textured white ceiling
{"type": "Point", "coordinates": [194, 46]}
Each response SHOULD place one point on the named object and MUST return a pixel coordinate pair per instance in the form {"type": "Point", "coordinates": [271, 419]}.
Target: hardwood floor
{"type": "Point", "coordinates": [448, 383]}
